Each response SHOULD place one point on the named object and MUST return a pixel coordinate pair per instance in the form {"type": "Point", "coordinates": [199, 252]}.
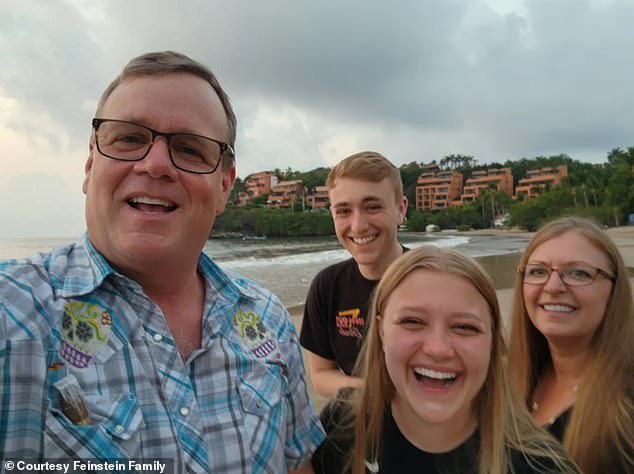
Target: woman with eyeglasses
{"type": "Point", "coordinates": [435, 398]}
{"type": "Point", "coordinates": [572, 343]}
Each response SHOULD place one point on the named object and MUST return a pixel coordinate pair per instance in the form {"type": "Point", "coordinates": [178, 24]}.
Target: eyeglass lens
{"type": "Point", "coordinates": [571, 275]}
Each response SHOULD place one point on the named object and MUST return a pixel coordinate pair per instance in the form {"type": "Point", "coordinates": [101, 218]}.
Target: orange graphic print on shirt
{"type": "Point", "coordinates": [350, 324]}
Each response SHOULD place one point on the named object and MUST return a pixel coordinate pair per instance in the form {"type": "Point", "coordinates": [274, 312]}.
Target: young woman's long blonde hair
{"type": "Point", "coordinates": [503, 421]}
{"type": "Point", "coordinates": [600, 431]}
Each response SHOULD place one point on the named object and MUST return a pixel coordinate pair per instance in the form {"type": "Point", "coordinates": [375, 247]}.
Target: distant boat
{"type": "Point", "coordinates": [432, 228]}
{"type": "Point", "coordinates": [254, 237]}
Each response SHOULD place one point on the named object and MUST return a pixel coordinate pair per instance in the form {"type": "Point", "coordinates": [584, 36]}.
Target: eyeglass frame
{"type": "Point", "coordinates": [224, 147]}
{"type": "Point", "coordinates": [520, 269]}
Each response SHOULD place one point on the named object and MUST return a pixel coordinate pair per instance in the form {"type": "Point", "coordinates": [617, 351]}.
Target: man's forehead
{"type": "Point", "coordinates": [350, 191]}
{"type": "Point", "coordinates": [180, 101]}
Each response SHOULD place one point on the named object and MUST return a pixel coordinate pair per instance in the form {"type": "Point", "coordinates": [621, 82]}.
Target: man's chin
{"type": "Point", "coordinates": [139, 248]}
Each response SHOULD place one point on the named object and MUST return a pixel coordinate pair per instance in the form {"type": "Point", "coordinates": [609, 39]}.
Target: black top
{"type": "Point", "coordinates": [398, 455]}
{"type": "Point", "coordinates": [614, 464]}
{"type": "Point", "coordinates": [558, 427]}
{"type": "Point", "coordinates": [336, 313]}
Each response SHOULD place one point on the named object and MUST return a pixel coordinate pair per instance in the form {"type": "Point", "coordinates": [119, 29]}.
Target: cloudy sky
{"type": "Point", "coordinates": [314, 81]}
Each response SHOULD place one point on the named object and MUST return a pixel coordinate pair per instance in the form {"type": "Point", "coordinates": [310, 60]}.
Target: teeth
{"type": "Point", "coordinates": [153, 201]}
{"type": "Point", "coordinates": [363, 240]}
{"type": "Point", "coordinates": [558, 308]}
{"type": "Point", "coordinates": [433, 374]}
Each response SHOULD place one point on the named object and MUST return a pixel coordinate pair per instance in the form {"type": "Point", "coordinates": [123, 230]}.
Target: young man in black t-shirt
{"type": "Point", "coordinates": [367, 206]}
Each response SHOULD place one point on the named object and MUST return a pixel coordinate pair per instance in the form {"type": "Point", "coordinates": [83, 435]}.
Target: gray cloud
{"type": "Point", "coordinates": [442, 76]}
{"type": "Point", "coordinates": [49, 65]}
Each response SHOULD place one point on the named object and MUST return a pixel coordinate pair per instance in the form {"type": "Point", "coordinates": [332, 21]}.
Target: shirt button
{"type": "Point", "coordinates": [157, 337]}
{"type": "Point", "coordinates": [119, 429]}
{"type": "Point", "coordinates": [184, 411]}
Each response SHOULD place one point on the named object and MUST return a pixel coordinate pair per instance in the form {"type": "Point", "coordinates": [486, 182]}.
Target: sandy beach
{"type": "Point", "coordinates": [504, 266]}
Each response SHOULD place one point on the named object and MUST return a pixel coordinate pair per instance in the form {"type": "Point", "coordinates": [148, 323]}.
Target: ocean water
{"type": "Point", "coordinates": [287, 266]}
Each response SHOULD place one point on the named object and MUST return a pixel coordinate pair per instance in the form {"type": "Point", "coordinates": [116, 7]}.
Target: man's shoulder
{"type": "Point", "coordinates": [25, 270]}
{"type": "Point", "coordinates": [236, 286]}
{"type": "Point", "coordinates": [26, 291]}
{"type": "Point", "coordinates": [63, 268]}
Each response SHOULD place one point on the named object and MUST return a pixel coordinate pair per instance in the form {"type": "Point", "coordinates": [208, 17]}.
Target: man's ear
{"type": "Point", "coordinates": [226, 183]}
{"type": "Point", "coordinates": [88, 168]}
{"type": "Point", "coordinates": [402, 209]}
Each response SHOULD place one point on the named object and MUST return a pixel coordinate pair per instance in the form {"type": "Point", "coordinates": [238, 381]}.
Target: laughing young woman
{"type": "Point", "coordinates": [572, 356]}
{"type": "Point", "coordinates": [436, 397]}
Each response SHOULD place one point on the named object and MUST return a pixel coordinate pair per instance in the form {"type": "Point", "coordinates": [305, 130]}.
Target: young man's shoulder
{"type": "Point", "coordinates": [337, 270]}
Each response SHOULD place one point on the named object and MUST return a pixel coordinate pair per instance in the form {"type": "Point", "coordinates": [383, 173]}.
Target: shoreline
{"type": "Point", "coordinates": [623, 237]}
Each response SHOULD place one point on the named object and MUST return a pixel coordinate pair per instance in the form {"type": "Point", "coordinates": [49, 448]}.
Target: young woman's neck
{"type": "Point", "coordinates": [433, 438]}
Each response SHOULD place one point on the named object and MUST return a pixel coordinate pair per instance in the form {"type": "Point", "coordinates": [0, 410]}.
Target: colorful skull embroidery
{"type": "Point", "coordinates": [85, 327]}
{"type": "Point", "coordinates": [254, 333]}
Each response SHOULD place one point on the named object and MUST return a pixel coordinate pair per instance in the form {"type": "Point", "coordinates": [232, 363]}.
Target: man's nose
{"type": "Point", "coordinates": [157, 163]}
{"type": "Point", "coordinates": [359, 221]}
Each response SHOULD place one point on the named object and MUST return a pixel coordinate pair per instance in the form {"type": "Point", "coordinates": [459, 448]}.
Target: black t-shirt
{"type": "Point", "coordinates": [398, 455]}
{"type": "Point", "coordinates": [336, 313]}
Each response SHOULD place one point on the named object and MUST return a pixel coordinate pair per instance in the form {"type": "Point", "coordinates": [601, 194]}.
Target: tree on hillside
{"type": "Point", "coordinates": [620, 186]}
{"type": "Point", "coordinates": [453, 161]}
{"type": "Point", "coordinates": [617, 156]}
{"type": "Point", "coordinates": [314, 178]}
{"type": "Point", "coordinates": [532, 213]}
{"type": "Point", "coordinates": [409, 176]}
{"type": "Point", "coordinates": [238, 187]}
{"type": "Point", "coordinates": [260, 201]}
{"type": "Point", "coordinates": [287, 175]}
{"type": "Point", "coordinates": [621, 191]}
{"type": "Point", "coordinates": [492, 203]}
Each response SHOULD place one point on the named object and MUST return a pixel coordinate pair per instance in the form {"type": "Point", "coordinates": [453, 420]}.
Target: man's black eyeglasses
{"type": "Point", "coordinates": [129, 141]}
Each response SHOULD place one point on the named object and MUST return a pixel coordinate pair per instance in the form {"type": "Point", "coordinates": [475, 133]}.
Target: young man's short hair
{"type": "Point", "coordinates": [367, 166]}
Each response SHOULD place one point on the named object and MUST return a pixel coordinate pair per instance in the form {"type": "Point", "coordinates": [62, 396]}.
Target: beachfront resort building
{"type": "Point", "coordinates": [540, 180]}
{"type": "Point", "coordinates": [500, 179]}
{"type": "Point", "coordinates": [438, 190]}
{"type": "Point", "coordinates": [261, 183]}
{"type": "Point", "coordinates": [284, 193]}
{"type": "Point", "coordinates": [319, 198]}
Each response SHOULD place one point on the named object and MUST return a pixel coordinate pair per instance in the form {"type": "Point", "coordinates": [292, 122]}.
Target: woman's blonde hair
{"type": "Point", "coordinates": [503, 422]}
{"type": "Point", "coordinates": [600, 432]}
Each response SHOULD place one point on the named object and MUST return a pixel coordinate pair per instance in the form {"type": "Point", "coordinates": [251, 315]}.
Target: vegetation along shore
{"type": "Point", "coordinates": [604, 191]}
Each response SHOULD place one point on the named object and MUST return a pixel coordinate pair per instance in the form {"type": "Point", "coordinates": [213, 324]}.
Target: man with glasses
{"type": "Point", "coordinates": [132, 343]}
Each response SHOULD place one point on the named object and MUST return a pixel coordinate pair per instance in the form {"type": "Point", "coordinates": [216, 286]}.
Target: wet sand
{"type": "Point", "coordinates": [502, 270]}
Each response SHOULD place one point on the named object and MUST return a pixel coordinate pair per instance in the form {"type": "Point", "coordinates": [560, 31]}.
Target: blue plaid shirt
{"type": "Point", "coordinates": [239, 404]}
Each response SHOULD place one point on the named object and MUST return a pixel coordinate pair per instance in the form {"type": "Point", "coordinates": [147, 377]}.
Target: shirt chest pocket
{"type": "Point", "coordinates": [113, 432]}
{"type": "Point", "coordinates": [262, 399]}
